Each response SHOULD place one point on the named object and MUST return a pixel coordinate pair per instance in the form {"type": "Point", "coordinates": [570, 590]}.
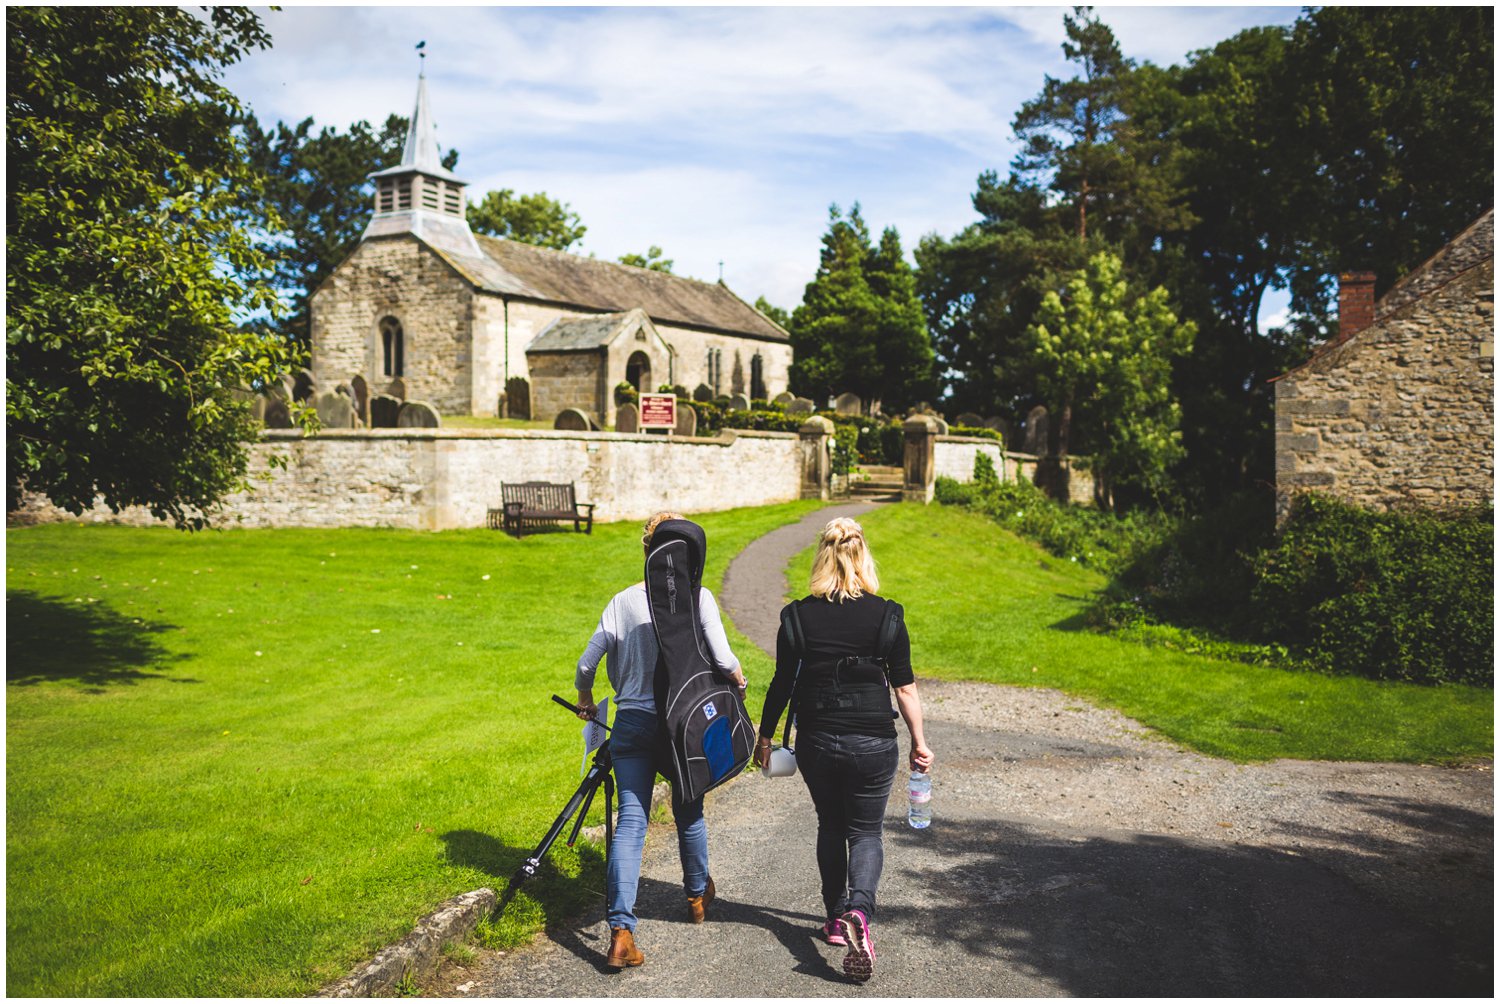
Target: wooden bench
{"type": "Point", "coordinates": [532, 503]}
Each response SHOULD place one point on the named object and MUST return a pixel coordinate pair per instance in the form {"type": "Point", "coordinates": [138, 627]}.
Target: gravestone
{"type": "Point", "coordinates": [627, 418]}
{"type": "Point", "coordinates": [942, 425]}
{"type": "Point", "coordinates": [848, 404]}
{"type": "Point", "coordinates": [739, 402]}
{"type": "Point", "coordinates": [1001, 426]}
{"type": "Point", "coordinates": [258, 408]}
{"type": "Point", "coordinates": [397, 389]}
{"type": "Point", "coordinates": [1035, 441]}
{"type": "Point", "coordinates": [383, 411]}
{"type": "Point", "coordinates": [335, 410]}
{"type": "Point", "coordinates": [304, 387]}
{"type": "Point", "coordinates": [784, 398]}
{"type": "Point", "coordinates": [703, 393]}
{"type": "Point", "coordinates": [799, 406]}
{"type": "Point", "coordinates": [278, 414]}
{"type": "Point", "coordinates": [969, 420]}
{"type": "Point", "coordinates": [417, 415]}
{"type": "Point", "coordinates": [687, 421]}
{"type": "Point", "coordinates": [361, 389]}
{"type": "Point", "coordinates": [572, 420]}
{"type": "Point", "coordinates": [517, 398]}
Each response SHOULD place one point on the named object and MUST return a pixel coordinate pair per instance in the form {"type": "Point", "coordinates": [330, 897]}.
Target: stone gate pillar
{"type": "Point", "coordinates": [921, 431]}
{"type": "Point", "coordinates": [817, 464]}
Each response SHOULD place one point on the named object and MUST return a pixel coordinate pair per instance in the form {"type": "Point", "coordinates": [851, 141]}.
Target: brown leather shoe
{"type": "Point", "coordinates": [622, 950]}
{"type": "Point", "coordinates": [698, 905]}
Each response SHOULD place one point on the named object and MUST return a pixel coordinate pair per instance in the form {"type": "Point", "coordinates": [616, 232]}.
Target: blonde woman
{"type": "Point", "coordinates": [626, 637]}
{"type": "Point", "coordinates": [846, 738]}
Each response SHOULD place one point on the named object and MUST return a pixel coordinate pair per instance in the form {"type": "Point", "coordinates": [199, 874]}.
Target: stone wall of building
{"type": "Point", "coordinates": [561, 380]}
{"type": "Point", "coordinates": [441, 479]}
{"type": "Point", "coordinates": [398, 278]}
{"type": "Point", "coordinates": [1402, 413]}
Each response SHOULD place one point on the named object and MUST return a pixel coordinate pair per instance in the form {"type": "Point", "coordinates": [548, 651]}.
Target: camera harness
{"type": "Point", "coordinates": [859, 681]}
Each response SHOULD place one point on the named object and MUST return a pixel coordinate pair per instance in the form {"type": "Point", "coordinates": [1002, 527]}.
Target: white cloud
{"type": "Point", "coordinates": [716, 133]}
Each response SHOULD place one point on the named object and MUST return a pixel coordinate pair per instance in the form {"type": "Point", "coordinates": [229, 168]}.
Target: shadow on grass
{"type": "Point", "coordinates": [50, 639]}
{"type": "Point", "coordinates": [561, 897]}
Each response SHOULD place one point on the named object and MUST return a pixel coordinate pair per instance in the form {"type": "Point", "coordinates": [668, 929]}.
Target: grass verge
{"type": "Point", "coordinates": [983, 604]}
{"type": "Point", "coordinates": [240, 762]}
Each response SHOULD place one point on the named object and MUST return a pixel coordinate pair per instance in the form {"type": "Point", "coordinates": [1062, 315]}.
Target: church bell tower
{"type": "Point", "coordinates": [419, 196]}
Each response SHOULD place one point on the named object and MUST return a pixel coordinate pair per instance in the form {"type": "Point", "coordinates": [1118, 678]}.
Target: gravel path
{"type": "Point", "coordinates": [1073, 852]}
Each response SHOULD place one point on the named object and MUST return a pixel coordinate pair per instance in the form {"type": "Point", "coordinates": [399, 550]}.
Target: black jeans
{"type": "Point", "coordinates": [849, 778]}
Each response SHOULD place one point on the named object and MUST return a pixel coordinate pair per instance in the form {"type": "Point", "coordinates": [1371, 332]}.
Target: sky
{"type": "Point", "coordinates": [720, 134]}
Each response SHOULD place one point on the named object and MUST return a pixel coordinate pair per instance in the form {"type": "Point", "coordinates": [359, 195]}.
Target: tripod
{"type": "Point", "coordinates": [597, 774]}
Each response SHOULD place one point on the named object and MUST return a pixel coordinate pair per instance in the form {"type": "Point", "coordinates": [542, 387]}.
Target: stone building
{"type": "Point", "coordinates": [457, 315]}
{"type": "Point", "coordinates": [1400, 408]}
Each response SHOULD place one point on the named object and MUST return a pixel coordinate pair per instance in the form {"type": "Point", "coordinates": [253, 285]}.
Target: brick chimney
{"type": "Point", "coordinates": [1356, 303]}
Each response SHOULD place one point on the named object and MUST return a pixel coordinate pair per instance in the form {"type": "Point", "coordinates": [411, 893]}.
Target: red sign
{"type": "Point", "coordinates": [658, 411]}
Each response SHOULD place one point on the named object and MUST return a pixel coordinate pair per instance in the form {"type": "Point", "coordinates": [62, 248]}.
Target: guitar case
{"type": "Point", "coordinates": [705, 736]}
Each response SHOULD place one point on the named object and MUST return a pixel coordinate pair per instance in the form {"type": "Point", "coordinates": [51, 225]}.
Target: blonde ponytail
{"type": "Point", "coordinates": [843, 568]}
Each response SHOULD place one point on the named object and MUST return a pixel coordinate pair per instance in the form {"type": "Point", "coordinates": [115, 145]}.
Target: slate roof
{"type": "Point", "coordinates": [523, 270]}
{"type": "Point", "coordinates": [573, 334]}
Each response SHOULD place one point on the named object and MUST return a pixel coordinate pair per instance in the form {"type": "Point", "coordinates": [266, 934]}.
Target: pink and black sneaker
{"type": "Point", "coordinates": [859, 961]}
{"type": "Point", "coordinates": [833, 933]}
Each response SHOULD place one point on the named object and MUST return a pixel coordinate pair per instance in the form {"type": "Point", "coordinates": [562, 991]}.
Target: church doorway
{"type": "Point", "coordinates": [638, 372]}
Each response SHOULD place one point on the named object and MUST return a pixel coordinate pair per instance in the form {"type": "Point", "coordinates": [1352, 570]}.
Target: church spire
{"type": "Point", "coordinates": [419, 196]}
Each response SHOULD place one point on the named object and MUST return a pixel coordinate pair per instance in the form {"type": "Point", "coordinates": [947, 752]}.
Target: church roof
{"type": "Point", "coordinates": [573, 334]}
{"type": "Point", "coordinates": [524, 270]}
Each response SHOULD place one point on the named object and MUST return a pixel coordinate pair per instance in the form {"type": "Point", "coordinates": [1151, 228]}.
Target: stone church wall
{"type": "Point", "coordinates": [690, 367]}
{"type": "Point", "coordinates": [561, 380]}
{"type": "Point", "coordinates": [404, 280]}
{"type": "Point", "coordinates": [442, 479]}
{"type": "Point", "coordinates": [1403, 412]}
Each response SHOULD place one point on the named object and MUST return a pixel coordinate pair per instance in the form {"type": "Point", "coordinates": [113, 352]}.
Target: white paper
{"type": "Point", "coordinates": [594, 735]}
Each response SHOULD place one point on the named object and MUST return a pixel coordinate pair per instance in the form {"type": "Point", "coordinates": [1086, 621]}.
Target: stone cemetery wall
{"type": "Point", "coordinates": [1403, 412]}
{"type": "Point", "coordinates": [440, 479]}
{"type": "Point", "coordinates": [953, 457]}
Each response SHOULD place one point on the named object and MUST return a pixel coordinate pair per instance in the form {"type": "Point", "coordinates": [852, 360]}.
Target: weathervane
{"type": "Point", "coordinates": [422, 55]}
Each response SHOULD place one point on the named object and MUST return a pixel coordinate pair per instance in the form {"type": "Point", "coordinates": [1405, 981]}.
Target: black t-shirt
{"type": "Point", "coordinates": [833, 630]}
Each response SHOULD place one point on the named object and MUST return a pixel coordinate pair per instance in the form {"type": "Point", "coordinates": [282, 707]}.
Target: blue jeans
{"type": "Point", "coordinates": [849, 778]}
{"type": "Point", "coordinates": [632, 744]}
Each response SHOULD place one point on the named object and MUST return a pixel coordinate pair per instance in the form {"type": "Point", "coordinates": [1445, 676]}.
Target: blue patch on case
{"type": "Point", "coordinates": [717, 748]}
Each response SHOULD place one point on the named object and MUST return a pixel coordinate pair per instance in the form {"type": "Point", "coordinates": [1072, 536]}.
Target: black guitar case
{"type": "Point", "coordinates": [705, 733]}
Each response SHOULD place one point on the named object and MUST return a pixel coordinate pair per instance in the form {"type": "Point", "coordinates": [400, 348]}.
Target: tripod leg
{"type": "Point", "coordinates": [609, 818]}
{"type": "Point", "coordinates": [583, 814]}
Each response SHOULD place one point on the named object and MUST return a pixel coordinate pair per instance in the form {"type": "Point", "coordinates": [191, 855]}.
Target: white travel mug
{"type": "Point", "coordinates": [783, 763]}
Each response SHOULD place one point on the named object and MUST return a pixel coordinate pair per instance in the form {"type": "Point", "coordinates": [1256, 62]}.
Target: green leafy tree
{"type": "Point", "coordinates": [129, 258]}
{"type": "Point", "coordinates": [531, 219]}
{"type": "Point", "coordinates": [318, 186]}
{"type": "Point", "coordinates": [1109, 355]}
{"type": "Point", "coordinates": [775, 313]}
{"type": "Point", "coordinates": [1399, 103]}
{"type": "Point", "coordinates": [980, 290]}
{"type": "Point", "coordinates": [652, 259]}
{"type": "Point", "coordinates": [860, 326]}
{"type": "Point", "coordinates": [1079, 141]}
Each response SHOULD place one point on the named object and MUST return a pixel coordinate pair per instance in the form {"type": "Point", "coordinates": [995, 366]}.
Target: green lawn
{"type": "Point", "coordinates": [983, 604]}
{"type": "Point", "coordinates": [240, 762]}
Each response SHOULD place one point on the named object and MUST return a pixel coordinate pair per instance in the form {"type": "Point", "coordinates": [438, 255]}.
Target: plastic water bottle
{"type": "Point", "coordinates": [919, 808]}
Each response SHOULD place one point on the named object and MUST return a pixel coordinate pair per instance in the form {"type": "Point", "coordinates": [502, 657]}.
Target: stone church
{"type": "Point", "coordinates": [460, 317]}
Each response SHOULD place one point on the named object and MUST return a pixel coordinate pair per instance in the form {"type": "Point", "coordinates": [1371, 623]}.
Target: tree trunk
{"type": "Point", "coordinates": [1064, 422]}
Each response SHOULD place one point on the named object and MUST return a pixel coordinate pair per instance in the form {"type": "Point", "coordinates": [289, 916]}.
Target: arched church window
{"type": "Point", "coordinates": [757, 377]}
{"type": "Point", "coordinates": [393, 347]}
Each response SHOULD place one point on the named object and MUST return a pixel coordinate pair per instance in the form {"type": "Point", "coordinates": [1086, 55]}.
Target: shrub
{"type": "Point", "coordinates": [1399, 596]}
{"type": "Point", "coordinates": [845, 448]}
{"type": "Point", "coordinates": [626, 394]}
{"type": "Point", "coordinates": [976, 433]}
{"type": "Point", "coordinates": [1101, 540]}
{"type": "Point", "coordinates": [893, 444]}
